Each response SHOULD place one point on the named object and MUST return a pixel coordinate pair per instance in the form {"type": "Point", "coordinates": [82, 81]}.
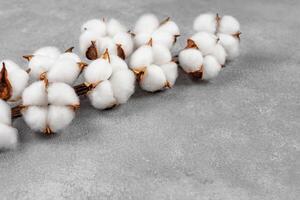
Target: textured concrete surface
{"type": "Point", "coordinates": [235, 138]}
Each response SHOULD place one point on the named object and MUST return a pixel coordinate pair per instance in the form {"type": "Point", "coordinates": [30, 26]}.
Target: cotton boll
{"type": "Point", "coordinates": [10, 65]}
{"type": "Point", "coordinates": [206, 23]}
{"type": "Point", "coordinates": [61, 94]}
{"type": "Point", "coordinates": [107, 43]}
{"type": "Point", "coordinates": [161, 54]}
{"type": "Point", "coordinates": [35, 94]}
{"type": "Point", "coordinates": [95, 25]}
{"type": "Point", "coordinates": [35, 117]}
{"type": "Point", "coordinates": [141, 39]}
{"type": "Point", "coordinates": [8, 137]}
{"type": "Point", "coordinates": [5, 113]}
{"type": "Point", "coordinates": [69, 55]}
{"type": "Point", "coordinates": [123, 84]}
{"type": "Point", "coordinates": [230, 44]}
{"type": "Point", "coordinates": [211, 67]}
{"type": "Point", "coordinates": [170, 27]}
{"type": "Point", "coordinates": [146, 23]}
{"type": "Point", "coordinates": [163, 38]}
{"type": "Point", "coordinates": [117, 63]}
{"type": "Point", "coordinates": [220, 54]}
{"type": "Point", "coordinates": [190, 60]}
{"type": "Point", "coordinates": [141, 58]}
{"type": "Point", "coordinates": [229, 25]}
{"type": "Point", "coordinates": [98, 70]}
{"type": "Point", "coordinates": [153, 79]}
{"type": "Point", "coordinates": [205, 42]}
{"type": "Point", "coordinates": [51, 52]}
{"type": "Point", "coordinates": [39, 64]}
{"type": "Point", "coordinates": [125, 40]}
{"type": "Point", "coordinates": [114, 27]}
{"type": "Point", "coordinates": [102, 96]}
{"type": "Point", "coordinates": [171, 72]}
{"type": "Point", "coordinates": [86, 39]}
{"type": "Point", "coordinates": [59, 117]}
{"type": "Point", "coordinates": [64, 70]}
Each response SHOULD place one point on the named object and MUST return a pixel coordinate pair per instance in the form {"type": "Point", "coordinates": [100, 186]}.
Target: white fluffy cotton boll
{"type": "Point", "coordinates": [205, 23]}
{"type": "Point", "coordinates": [229, 25]}
{"type": "Point", "coordinates": [95, 25]}
{"type": "Point", "coordinates": [102, 96]}
{"type": "Point", "coordinates": [114, 27]}
{"type": "Point", "coordinates": [190, 60]}
{"type": "Point", "coordinates": [171, 72]}
{"type": "Point", "coordinates": [38, 65]}
{"type": "Point", "coordinates": [141, 58]}
{"type": "Point", "coordinates": [206, 42]}
{"type": "Point", "coordinates": [220, 54]}
{"type": "Point", "coordinates": [141, 39]}
{"type": "Point", "coordinates": [69, 55]}
{"type": "Point", "coordinates": [211, 67]}
{"type": "Point", "coordinates": [8, 137]}
{"type": "Point", "coordinates": [153, 79]}
{"type": "Point", "coordinates": [36, 117]}
{"type": "Point", "coordinates": [147, 23]}
{"type": "Point", "coordinates": [107, 43]}
{"type": "Point", "coordinates": [117, 63]}
{"type": "Point", "coordinates": [59, 117]}
{"type": "Point", "coordinates": [230, 44]}
{"type": "Point", "coordinates": [64, 70]}
{"type": "Point", "coordinates": [86, 39]}
{"type": "Point", "coordinates": [170, 27]}
{"type": "Point", "coordinates": [35, 94]}
{"type": "Point", "coordinates": [98, 70]}
{"type": "Point", "coordinates": [123, 84]}
{"type": "Point", "coordinates": [17, 77]}
{"type": "Point", "coordinates": [5, 113]}
{"type": "Point", "coordinates": [161, 54]}
{"type": "Point", "coordinates": [125, 40]}
{"type": "Point", "coordinates": [51, 52]}
{"type": "Point", "coordinates": [61, 94]}
{"type": "Point", "coordinates": [164, 38]}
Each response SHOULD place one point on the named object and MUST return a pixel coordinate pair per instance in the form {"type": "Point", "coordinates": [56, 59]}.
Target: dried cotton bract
{"type": "Point", "coordinates": [110, 81]}
{"type": "Point", "coordinates": [8, 134]}
{"type": "Point", "coordinates": [49, 107]}
{"type": "Point", "coordinates": [227, 28]}
{"type": "Point", "coordinates": [148, 26]}
{"type": "Point", "coordinates": [153, 66]}
{"type": "Point", "coordinates": [56, 66]}
{"type": "Point", "coordinates": [99, 35]}
{"type": "Point", "coordinates": [13, 80]}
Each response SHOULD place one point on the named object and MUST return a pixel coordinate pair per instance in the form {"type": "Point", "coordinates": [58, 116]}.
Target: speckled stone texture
{"type": "Point", "coordinates": [234, 138]}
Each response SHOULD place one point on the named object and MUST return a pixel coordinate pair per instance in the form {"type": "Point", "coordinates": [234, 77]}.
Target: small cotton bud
{"type": "Point", "coordinates": [190, 60]}
{"type": "Point", "coordinates": [229, 25]}
{"type": "Point", "coordinates": [102, 96]}
{"type": "Point", "coordinates": [114, 27]}
{"type": "Point", "coordinates": [153, 79]}
{"type": "Point", "coordinates": [161, 54]}
{"type": "Point", "coordinates": [211, 67]}
{"type": "Point", "coordinates": [95, 25]}
{"type": "Point", "coordinates": [205, 23]}
{"type": "Point", "coordinates": [146, 23]}
{"type": "Point", "coordinates": [171, 72]}
{"type": "Point", "coordinates": [141, 58]}
{"type": "Point", "coordinates": [98, 70]}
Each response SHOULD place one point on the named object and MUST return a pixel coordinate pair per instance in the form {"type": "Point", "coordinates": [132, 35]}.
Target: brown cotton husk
{"type": "Point", "coordinates": [28, 57]}
{"type": "Point", "coordinates": [237, 35]}
{"type": "Point", "coordinates": [69, 50]}
{"type": "Point", "coordinates": [191, 44]}
{"type": "Point", "coordinates": [164, 21]}
{"type": "Point", "coordinates": [197, 74]}
{"type": "Point", "coordinates": [120, 52]}
{"type": "Point", "coordinates": [168, 85]}
{"type": "Point", "coordinates": [106, 56]}
{"type": "Point", "coordinates": [5, 86]}
{"type": "Point", "coordinates": [92, 52]}
{"type": "Point", "coordinates": [82, 65]}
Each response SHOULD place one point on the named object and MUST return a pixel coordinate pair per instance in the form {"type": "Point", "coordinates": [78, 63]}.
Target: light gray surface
{"type": "Point", "coordinates": [234, 138]}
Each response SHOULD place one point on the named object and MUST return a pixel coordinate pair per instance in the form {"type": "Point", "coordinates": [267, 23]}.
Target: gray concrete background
{"type": "Point", "coordinates": [234, 138]}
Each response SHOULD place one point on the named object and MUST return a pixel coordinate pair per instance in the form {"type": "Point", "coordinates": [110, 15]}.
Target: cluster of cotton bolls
{"type": "Point", "coordinates": [216, 41]}
{"type": "Point", "coordinates": [8, 134]}
{"type": "Point", "coordinates": [49, 62]}
{"type": "Point", "coordinates": [110, 80]}
{"type": "Point", "coordinates": [98, 35]}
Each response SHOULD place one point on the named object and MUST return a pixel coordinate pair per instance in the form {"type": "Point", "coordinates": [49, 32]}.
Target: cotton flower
{"type": "Point", "coordinates": [99, 35]}
{"type": "Point", "coordinates": [110, 81]}
{"type": "Point", "coordinates": [49, 107]}
{"type": "Point", "coordinates": [148, 27]}
{"type": "Point", "coordinates": [13, 80]}
{"type": "Point", "coordinates": [153, 66]}
{"type": "Point", "coordinates": [8, 134]}
{"type": "Point", "coordinates": [227, 28]}
{"type": "Point", "coordinates": [56, 66]}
